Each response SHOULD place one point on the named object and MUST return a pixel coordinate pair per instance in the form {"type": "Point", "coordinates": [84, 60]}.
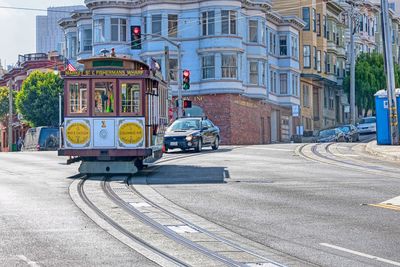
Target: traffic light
{"type": "Point", "coordinates": [187, 104]}
{"type": "Point", "coordinates": [186, 80]}
{"type": "Point", "coordinates": [136, 37]}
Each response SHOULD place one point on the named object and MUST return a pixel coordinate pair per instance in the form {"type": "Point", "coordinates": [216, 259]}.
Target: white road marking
{"type": "Point", "coordinates": [181, 229]}
{"type": "Point", "coordinates": [361, 254]}
{"type": "Point", "coordinates": [393, 201]}
{"type": "Point", "coordinates": [28, 261]}
{"type": "Point", "coordinates": [140, 204]}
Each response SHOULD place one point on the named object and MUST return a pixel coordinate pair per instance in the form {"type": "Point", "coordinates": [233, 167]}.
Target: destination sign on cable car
{"type": "Point", "coordinates": [125, 73]}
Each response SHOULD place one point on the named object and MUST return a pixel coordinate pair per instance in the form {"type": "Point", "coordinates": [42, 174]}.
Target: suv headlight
{"type": "Point", "coordinates": [189, 138]}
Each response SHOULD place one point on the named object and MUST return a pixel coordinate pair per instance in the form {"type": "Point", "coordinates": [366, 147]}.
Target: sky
{"type": "Point", "coordinates": [18, 27]}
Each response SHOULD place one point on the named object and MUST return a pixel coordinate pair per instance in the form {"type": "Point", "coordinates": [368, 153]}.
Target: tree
{"type": "Point", "coordinates": [38, 99]}
{"type": "Point", "coordinates": [370, 78]}
{"type": "Point", "coordinates": [4, 103]}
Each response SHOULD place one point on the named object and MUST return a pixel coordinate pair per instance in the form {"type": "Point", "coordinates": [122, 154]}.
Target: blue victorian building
{"type": "Point", "coordinates": [243, 57]}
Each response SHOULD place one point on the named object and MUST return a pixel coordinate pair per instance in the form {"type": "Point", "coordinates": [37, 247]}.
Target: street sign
{"type": "Point", "coordinates": [295, 110]}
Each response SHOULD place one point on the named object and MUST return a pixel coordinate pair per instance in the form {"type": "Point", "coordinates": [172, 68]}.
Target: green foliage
{"type": "Point", "coordinates": [38, 99]}
{"type": "Point", "coordinates": [4, 102]}
{"type": "Point", "coordinates": [370, 78]}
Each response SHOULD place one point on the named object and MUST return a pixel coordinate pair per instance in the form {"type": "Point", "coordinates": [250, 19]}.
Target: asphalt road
{"type": "Point", "coordinates": [41, 226]}
{"type": "Point", "coordinates": [269, 194]}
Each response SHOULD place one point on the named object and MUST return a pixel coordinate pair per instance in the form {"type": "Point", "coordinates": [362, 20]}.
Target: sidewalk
{"type": "Point", "coordinates": [386, 152]}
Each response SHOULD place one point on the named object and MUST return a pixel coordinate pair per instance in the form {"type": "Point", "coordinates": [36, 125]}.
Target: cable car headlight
{"type": "Point", "coordinates": [189, 138]}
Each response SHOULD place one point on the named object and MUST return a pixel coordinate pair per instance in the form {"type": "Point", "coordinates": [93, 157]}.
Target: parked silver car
{"type": "Point", "coordinates": [367, 125]}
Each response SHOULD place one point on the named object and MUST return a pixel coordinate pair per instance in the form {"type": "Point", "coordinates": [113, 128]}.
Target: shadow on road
{"type": "Point", "coordinates": [177, 174]}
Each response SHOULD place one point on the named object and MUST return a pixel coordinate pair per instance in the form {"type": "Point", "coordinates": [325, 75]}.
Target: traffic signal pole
{"type": "Point", "coordinates": [10, 119]}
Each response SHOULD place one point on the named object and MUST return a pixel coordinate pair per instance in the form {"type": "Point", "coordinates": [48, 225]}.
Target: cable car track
{"type": "Point", "coordinates": [122, 230]}
{"type": "Point", "coordinates": [116, 199]}
{"type": "Point", "coordinates": [345, 163]}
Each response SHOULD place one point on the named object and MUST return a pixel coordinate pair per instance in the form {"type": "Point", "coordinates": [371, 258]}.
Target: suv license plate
{"type": "Point", "coordinates": [173, 143]}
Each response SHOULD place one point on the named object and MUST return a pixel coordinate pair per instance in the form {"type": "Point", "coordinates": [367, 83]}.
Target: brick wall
{"type": "Point", "coordinates": [242, 120]}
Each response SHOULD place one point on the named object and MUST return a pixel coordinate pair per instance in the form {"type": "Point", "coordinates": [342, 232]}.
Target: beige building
{"type": "Point", "coordinates": [322, 60]}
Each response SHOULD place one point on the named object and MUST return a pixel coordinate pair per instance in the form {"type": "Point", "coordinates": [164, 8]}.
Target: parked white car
{"type": "Point", "coordinates": [367, 125]}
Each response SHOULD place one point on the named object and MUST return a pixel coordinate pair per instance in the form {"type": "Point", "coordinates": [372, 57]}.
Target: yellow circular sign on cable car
{"type": "Point", "coordinates": [78, 133]}
{"type": "Point", "coordinates": [130, 133]}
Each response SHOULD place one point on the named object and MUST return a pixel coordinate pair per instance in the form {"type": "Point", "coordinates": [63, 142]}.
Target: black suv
{"type": "Point", "coordinates": [192, 132]}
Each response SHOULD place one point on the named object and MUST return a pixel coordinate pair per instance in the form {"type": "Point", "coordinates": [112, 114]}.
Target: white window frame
{"type": "Point", "coordinates": [231, 70]}
{"type": "Point", "coordinates": [208, 23]}
{"type": "Point", "coordinates": [99, 30]}
{"type": "Point", "coordinates": [121, 27]}
{"type": "Point", "coordinates": [254, 73]}
{"type": "Point", "coordinates": [253, 31]}
{"type": "Point", "coordinates": [231, 22]}
{"type": "Point", "coordinates": [206, 68]}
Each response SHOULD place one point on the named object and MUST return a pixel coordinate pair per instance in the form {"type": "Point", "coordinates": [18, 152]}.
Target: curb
{"type": "Point", "coordinates": [371, 150]}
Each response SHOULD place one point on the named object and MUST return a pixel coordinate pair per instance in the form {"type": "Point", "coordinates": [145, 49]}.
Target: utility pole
{"type": "Point", "coordinates": [10, 118]}
{"type": "Point", "coordinates": [353, 30]}
{"type": "Point", "coordinates": [390, 82]}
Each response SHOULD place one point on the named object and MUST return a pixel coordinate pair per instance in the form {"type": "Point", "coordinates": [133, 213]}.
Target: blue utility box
{"type": "Point", "coordinates": [383, 116]}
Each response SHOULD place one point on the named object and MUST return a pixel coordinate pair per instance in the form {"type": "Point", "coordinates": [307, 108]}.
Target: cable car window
{"type": "Point", "coordinates": [104, 98]}
{"type": "Point", "coordinates": [130, 98]}
{"type": "Point", "coordinates": [78, 97]}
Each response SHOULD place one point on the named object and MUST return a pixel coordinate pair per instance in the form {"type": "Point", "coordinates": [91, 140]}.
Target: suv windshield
{"type": "Point", "coordinates": [367, 120]}
{"type": "Point", "coordinates": [184, 125]}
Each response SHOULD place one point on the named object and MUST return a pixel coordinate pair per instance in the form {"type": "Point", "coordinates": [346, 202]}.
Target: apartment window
{"type": "Point", "coordinates": [314, 18]}
{"type": "Point", "coordinates": [253, 31]}
{"type": "Point", "coordinates": [283, 83]}
{"type": "Point", "coordinates": [172, 25]}
{"type": "Point", "coordinates": [331, 98]}
{"type": "Point", "coordinates": [273, 81]}
{"type": "Point", "coordinates": [306, 56]}
{"type": "Point", "coordinates": [306, 18]}
{"type": "Point", "coordinates": [263, 74]}
{"type": "Point", "coordinates": [294, 84]}
{"type": "Point", "coordinates": [228, 22]}
{"type": "Point", "coordinates": [325, 63]}
{"type": "Point", "coordinates": [263, 33]}
{"type": "Point", "coordinates": [173, 69]}
{"type": "Point", "coordinates": [208, 23]}
{"type": "Point", "coordinates": [324, 26]}
{"type": "Point", "coordinates": [156, 24]}
{"type": "Point", "coordinates": [272, 43]}
{"type": "Point", "coordinates": [87, 40]}
{"type": "Point", "coordinates": [71, 46]}
{"type": "Point", "coordinates": [294, 48]}
{"type": "Point", "coordinates": [315, 57]}
{"type": "Point", "coordinates": [229, 66]}
{"type": "Point", "coordinates": [208, 67]}
{"type": "Point", "coordinates": [328, 64]}
{"type": "Point", "coordinates": [319, 24]}
{"type": "Point", "coordinates": [306, 96]}
{"type": "Point", "coordinates": [254, 72]}
{"type": "Point", "coordinates": [283, 45]}
{"type": "Point", "coordinates": [118, 30]}
{"type": "Point", "coordinates": [326, 97]}
{"type": "Point", "coordinates": [98, 28]}
{"type": "Point", "coordinates": [319, 61]}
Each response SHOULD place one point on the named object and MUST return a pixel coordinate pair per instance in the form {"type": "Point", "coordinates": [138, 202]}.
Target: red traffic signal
{"type": "Point", "coordinates": [136, 30]}
{"type": "Point", "coordinates": [186, 80]}
{"type": "Point", "coordinates": [136, 37]}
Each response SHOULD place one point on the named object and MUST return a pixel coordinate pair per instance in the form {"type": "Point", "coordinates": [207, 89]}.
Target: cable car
{"type": "Point", "coordinates": [115, 115]}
